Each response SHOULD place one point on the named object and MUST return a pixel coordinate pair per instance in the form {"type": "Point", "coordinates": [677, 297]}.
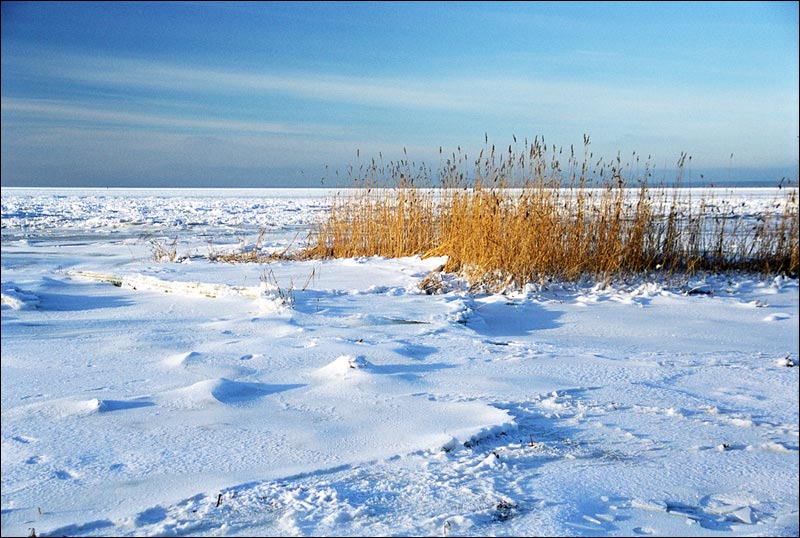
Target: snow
{"type": "Point", "coordinates": [338, 398]}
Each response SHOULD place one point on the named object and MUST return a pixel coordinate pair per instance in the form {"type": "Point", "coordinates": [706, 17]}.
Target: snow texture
{"type": "Point", "coordinates": [156, 398]}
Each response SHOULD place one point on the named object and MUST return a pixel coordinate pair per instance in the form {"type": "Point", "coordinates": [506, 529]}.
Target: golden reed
{"type": "Point", "coordinates": [521, 217]}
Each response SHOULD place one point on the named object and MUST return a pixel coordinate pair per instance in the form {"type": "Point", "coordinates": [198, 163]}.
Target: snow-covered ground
{"type": "Point", "coordinates": [337, 398]}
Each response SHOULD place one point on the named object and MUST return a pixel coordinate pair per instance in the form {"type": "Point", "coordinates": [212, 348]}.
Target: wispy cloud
{"type": "Point", "coordinates": [533, 96]}
{"type": "Point", "coordinates": [64, 111]}
{"type": "Point", "coordinates": [128, 73]}
{"type": "Point", "coordinates": [674, 117]}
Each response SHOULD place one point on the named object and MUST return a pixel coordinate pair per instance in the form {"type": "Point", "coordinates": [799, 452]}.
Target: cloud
{"type": "Point", "coordinates": [533, 96]}
{"type": "Point", "coordinates": [757, 124]}
{"type": "Point", "coordinates": [60, 110]}
{"type": "Point", "coordinates": [131, 73]}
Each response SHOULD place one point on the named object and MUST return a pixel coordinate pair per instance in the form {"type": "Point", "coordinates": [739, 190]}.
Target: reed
{"type": "Point", "coordinates": [518, 216]}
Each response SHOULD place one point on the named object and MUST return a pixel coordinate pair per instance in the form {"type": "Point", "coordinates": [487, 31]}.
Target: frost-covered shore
{"type": "Point", "coordinates": [337, 398]}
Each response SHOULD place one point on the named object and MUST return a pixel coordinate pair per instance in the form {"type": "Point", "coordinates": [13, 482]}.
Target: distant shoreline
{"type": "Point", "coordinates": [294, 192]}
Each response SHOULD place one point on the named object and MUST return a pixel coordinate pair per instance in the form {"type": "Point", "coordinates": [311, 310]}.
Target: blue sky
{"type": "Point", "coordinates": [269, 94]}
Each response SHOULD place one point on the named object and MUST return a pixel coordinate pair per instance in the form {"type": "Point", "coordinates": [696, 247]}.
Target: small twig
{"type": "Point", "coordinates": [286, 250]}
{"type": "Point", "coordinates": [309, 279]}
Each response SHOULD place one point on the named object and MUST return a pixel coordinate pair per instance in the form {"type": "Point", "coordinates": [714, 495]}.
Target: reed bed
{"type": "Point", "coordinates": [520, 216]}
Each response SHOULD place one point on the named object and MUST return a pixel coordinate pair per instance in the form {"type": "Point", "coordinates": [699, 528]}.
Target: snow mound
{"type": "Point", "coordinates": [274, 303]}
{"type": "Point", "coordinates": [181, 359]}
{"type": "Point", "coordinates": [64, 408]}
{"type": "Point", "coordinates": [343, 366]}
{"type": "Point", "coordinates": [17, 299]}
{"type": "Point", "coordinates": [215, 391]}
{"type": "Point", "coordinates": [142, 282]}
{"type": "Point", "coordinates": [82, 407]}
{"type": "Point", "coordinates": [777, 317]}
{"type": "Point", "coordinates": [776, 447]}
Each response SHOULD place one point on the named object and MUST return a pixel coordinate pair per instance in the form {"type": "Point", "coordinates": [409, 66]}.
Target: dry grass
{"type": "Point", "coordinates": [252, 254]}
{"type": "Point", "coordinates": [161, 249]}
{"type": "Point", "coordinates": [520, 216]}
{"type": "Point", "coordinates": [245, 255]}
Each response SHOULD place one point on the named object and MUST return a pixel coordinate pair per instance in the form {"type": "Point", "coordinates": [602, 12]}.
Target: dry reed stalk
{"type": "Point", "coordinates": [515, 222]}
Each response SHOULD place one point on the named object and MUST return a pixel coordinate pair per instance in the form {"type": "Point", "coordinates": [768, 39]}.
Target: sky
{"type": "Point", "coordinates": [207, 94]}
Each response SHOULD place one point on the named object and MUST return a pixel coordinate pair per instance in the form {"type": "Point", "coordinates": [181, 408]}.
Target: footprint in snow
{"type": "Point", "coordinates": [66, 475]}
{"type": "Point", "coordinates": [151, 516]}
